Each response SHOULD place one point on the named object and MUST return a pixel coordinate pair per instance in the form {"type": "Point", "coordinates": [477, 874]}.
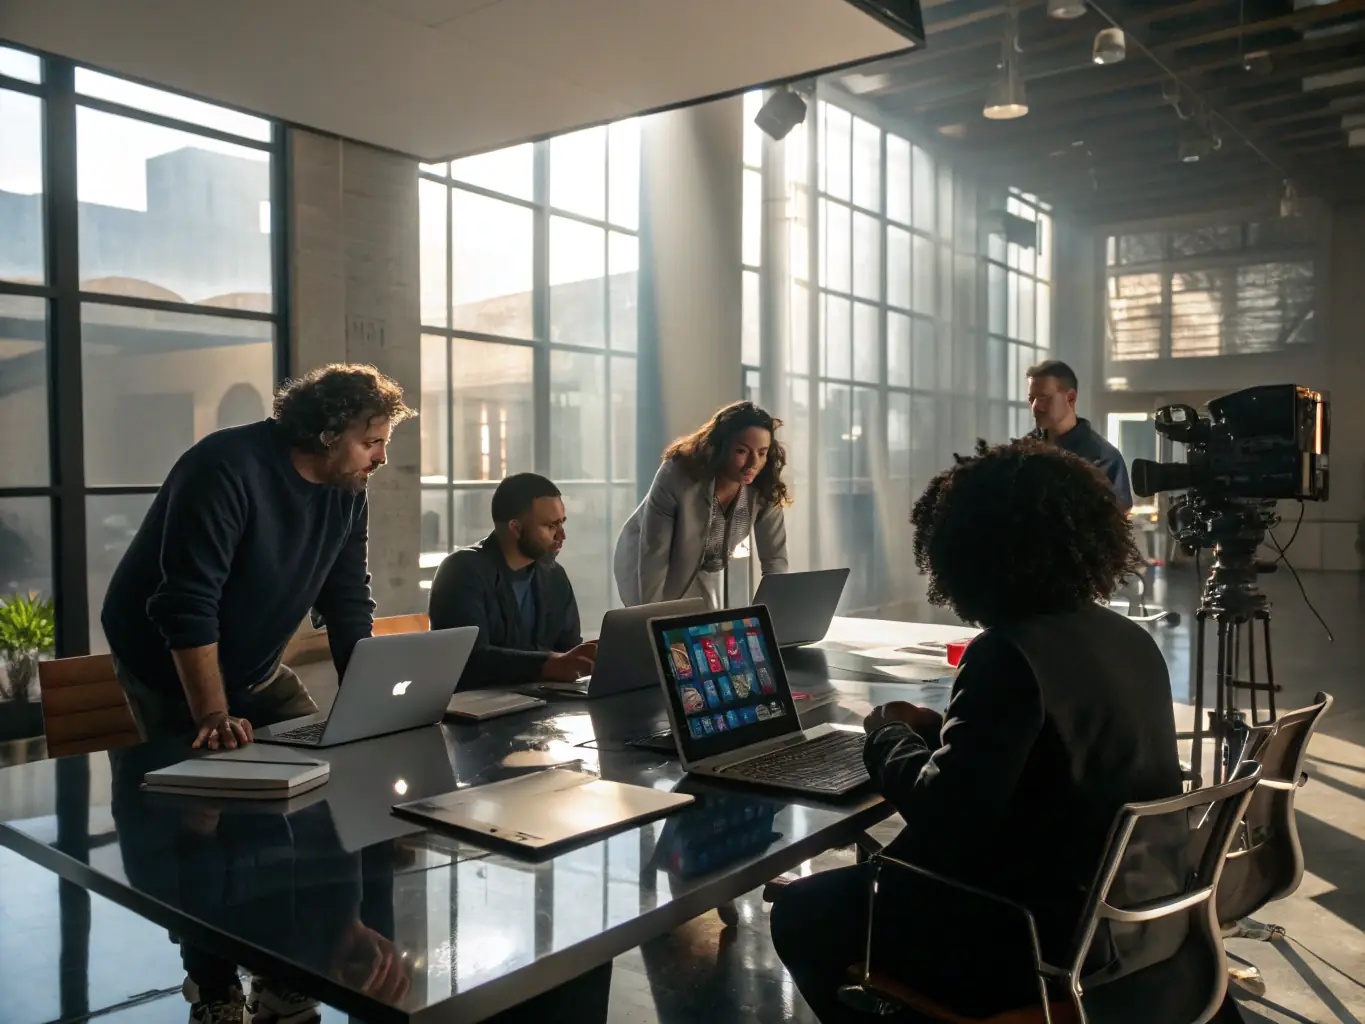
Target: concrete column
{"type": "Point", "coordinates": [775, 286]}
{"type": "Point", "coordinates": [691, 298]}
{"type": "Point", "coordinates": [354, 272]}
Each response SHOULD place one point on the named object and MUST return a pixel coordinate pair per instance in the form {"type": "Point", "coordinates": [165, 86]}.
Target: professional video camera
{"type": "Point", "coordinates": [1256, 447]}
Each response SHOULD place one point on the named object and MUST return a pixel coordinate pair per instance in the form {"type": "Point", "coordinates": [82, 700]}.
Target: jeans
{"type": "Point", "coordinates": [159, 714]}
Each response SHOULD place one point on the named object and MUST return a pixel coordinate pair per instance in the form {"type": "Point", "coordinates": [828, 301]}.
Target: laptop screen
{"type": "Point", "coordinates": [724, 679]}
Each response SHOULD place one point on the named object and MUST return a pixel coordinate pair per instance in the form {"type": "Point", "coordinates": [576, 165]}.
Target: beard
{"type": "Point", "coordinates": [530, 549]}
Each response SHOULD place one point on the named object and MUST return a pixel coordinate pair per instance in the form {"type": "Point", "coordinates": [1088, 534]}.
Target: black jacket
{"type": "Point", "coordinates": [1053, 725]}
{"type": "Point", "coordinates": [473, 588]}
{"type": "Point", "coordinates": [1085, 441]}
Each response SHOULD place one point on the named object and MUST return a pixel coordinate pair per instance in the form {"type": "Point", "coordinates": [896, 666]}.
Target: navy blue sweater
{"type": "Point", "coordinates": [235, 550]}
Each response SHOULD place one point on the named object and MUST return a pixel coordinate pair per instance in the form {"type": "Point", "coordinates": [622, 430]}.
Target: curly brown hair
{"type": "Point", "coordinates": [1019, 530]}
{"type": "Point", "coordinates": [704, 450]}
{"type": "Point", "coordinates": [332, 398]}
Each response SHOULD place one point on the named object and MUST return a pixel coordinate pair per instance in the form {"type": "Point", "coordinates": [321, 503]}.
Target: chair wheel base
{"type": "Point", "coordinates": [1247, 979]}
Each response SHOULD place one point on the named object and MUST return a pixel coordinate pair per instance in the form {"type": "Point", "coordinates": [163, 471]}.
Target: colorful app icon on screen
{"type": "Point", "coordinates": [699, 660]}
{"type": "Point", "coordinates": [695, 728]}
{"type": "Point", "coordinates": [727, 692]}
{"type": "Point", "coordinates": [732, 718]}
{"type": "Point", "coordinates": [712, 695]}
{"type": "Point", "coordinates": [692, 699]}
{"type": "Point", "coordinates": [743, 683]}
{"type": "Point", "coordinates": [748, 715]}
{"type": "Point", "coordinates": [762, 713]}
{"type": "Point", "coordinates": [765, 679]}
{"type": "Point", "coordinates": [755, 647]}
{"type": "Point", "coordinates": [776, 709]}
{"type": "Point", "coordinates": [721, 724]}
{"type": "Point", "coordinates": [713, 661]}
{"type": "Point", "coordinates": [732, 650]}
{"type": "Point", "coordinates": [682, 664]}
{"type": "Point", "coordinates": [708, 727]}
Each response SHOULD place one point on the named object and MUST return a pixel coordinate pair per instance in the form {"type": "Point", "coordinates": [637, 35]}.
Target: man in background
{"type": "Point", "coordinates": [511, 587]}
{"type": "Point", "coordinates": [1052, 390]}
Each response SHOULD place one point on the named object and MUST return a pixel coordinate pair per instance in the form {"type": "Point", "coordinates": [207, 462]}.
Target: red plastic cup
{"type": "Point", "coordinates": [955, 651]}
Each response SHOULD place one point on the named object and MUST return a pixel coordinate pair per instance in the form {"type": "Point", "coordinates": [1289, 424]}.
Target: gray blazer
{"type": "Point", "coordinates": [662, 546]}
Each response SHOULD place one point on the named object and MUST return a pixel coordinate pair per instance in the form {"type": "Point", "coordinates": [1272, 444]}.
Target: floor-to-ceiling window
{"type": "Point", "coordinates": [894, 357]}
{"type": "Point", "coordinates": [138, 311]}
{"type": "Point", "coordinates": [529, 289]}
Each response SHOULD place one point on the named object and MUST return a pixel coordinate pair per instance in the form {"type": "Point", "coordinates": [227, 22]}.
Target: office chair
{"type": "Point", "coordinates": [1159, 925]}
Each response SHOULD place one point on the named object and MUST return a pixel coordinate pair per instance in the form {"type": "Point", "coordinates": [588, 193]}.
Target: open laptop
{"type": "Point", "coordinates": [392, 683]}
{"type": "Point", "coordinates": [802, 604]}
{"type": "Point", "coordinates": [732, 710]}
{"type": "Point", "coordinates": [625, 654]}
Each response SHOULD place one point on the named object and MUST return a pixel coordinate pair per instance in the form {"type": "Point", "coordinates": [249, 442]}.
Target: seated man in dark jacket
{"type": "Point", "coordinates": [1060, 714]}
{"type": "Point", "coordinates": [510, 586]}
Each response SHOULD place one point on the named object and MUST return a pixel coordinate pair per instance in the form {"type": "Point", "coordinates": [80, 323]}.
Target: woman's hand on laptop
{"type": "Point", "coordinates": [924, 721]}
{"type": "Point", "coordinates": [219, 730]}
{"type": "Point", "coordinates": [570, 665]}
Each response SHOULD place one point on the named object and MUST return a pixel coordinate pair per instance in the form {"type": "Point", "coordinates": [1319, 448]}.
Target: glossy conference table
{"type": "Point", "coordinates": [311, 890]}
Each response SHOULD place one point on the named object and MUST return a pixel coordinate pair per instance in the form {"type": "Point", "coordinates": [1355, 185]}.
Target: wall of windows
{"type": "Point", "coordinates": [139, 310]}
{"type": "Point", "coordinates": [530, 259]}
{"type": "Point", "coordinates": [912, 323]}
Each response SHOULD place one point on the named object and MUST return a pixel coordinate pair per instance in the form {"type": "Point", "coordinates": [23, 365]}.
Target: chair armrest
{"type": "Point", "coordinates": [1303, 779]}
{"type": "Point", "coordinates": [882, 861]}
{"type": "Point", "coordinates": [1190, 779]}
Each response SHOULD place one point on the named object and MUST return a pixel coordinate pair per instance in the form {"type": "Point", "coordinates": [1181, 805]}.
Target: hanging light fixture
{"type": "Point", "coordinates": [1200, 140]}
{"type": "Point", "coordinates": [1289, 202]}
{"type": "Point", "coordinates": [1065, 10]}
{"type": "Point", "coordinates": [1111, 46]}
{"type": "Point", "coordinates": [1005, 99]}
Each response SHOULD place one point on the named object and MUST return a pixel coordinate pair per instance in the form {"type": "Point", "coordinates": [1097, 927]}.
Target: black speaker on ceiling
{"type": "Point", "coordinates": [901, 16]}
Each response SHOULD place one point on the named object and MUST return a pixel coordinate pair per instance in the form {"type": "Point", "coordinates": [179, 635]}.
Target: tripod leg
{"type": "Point", "coordinates": [1269, 669]}
{"type": "Point", "coordinates": [1197, 753]}
{"type": "Point", "coordinates": [1220, 679]}
{"type": "Point", "coordinates": [1251, 671]}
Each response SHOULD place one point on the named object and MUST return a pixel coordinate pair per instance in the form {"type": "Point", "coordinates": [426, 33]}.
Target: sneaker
{"type": "Point", "coordinates": [214, 1011]}
{"type": "Point", "coordinates": [271, 1003]}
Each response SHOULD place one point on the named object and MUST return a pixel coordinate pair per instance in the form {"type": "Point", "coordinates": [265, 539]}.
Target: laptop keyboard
{"type": "Point", "coordinates": [832, 763]}
{"type": "Point", "coordinates": [311, 733]}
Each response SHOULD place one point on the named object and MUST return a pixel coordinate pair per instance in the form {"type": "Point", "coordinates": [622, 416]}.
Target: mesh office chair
{"type": "Point", "coordinates": [1150, 921]}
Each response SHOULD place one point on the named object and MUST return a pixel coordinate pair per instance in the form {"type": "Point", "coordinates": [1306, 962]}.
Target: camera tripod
{"type": "Point", "coordinates": [1234, 601]}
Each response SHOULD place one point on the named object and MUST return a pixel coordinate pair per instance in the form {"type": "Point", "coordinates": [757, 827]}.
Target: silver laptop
{"type": "Point", "coordinates": [802, 604]}
{"type": "Point", "coordinates": [732, 711]}
{"type": "Point", "coordinates": [625, 655]}
{"type": "Point", "coordinates": [392, 683]}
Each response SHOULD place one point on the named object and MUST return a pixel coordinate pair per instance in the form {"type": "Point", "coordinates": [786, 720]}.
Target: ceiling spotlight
{"type": "Point", "coordinates": [1110, 46]}
{"type": "Point", "coordinates": [1199, 146]}
{"type": "Point", "coordinates": [782, 112]}
{"type": "Point", "coordinates": [1005, 99]}
{"type": "Point", "coordinates": [1258, 63]}
{"type": "Point", "coordinates": [1065, 10]}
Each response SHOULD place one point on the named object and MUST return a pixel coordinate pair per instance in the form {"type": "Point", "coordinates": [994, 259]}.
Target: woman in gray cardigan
{"type": "Point", "coordinates": [713, 486]}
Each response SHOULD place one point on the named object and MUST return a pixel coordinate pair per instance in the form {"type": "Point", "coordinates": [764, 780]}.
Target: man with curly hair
{"type": "Point", "coordinates": [1060, 714]}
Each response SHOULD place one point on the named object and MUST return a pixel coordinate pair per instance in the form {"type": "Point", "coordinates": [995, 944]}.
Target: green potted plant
{"type": "Point", "coordinates": [27, 631]}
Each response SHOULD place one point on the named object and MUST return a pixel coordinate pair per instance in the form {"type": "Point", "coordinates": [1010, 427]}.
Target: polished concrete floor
{"type": "Point", "coordinates": [129, 971]}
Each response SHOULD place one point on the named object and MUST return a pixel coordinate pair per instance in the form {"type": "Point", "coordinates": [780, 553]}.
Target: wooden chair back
{"type": "Point", "coordinates": [310, 645]}
{"type": "Point", "coordinates": [84, 709]}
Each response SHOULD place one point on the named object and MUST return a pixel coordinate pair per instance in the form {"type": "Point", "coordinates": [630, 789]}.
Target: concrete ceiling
{"type": "Point", "coordinates": [438, 78]}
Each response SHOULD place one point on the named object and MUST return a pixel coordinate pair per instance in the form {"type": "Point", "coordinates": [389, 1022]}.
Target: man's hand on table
{"type": "Point", "coordinates": [925, 721]}
{"type": "Point", "coordinates": [369, 963]}
{"type": "Point", "coordinates": [218, 731]}
{"type": "Point", "coordinates": [570, 665]}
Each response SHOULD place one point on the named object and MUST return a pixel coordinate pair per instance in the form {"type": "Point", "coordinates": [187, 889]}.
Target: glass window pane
{"type": "Point", "coordinates": [945, 202]}
{"type": "Point", "coordinates": [624, 422]}
{"type": "Point", "coordinates": [897, 350]}
{"type": "Point", "coordinates": [1027, 310]}
{"type": "Point", "coordinates": [836, 426]}
{"type": "Point", "coordinates": [1044, 336]}
{"type": "Point", "coordinates": [25, 550]}
{"type": "Point", "coordinates": [867, 165]}
{"type": "Point", "coordinates": [897, 179]}
{"type": "Point", "coordinates": [997, 367]}
{"type": "Point", "coordinates": [751, 235]}
{"type": "Point", "coordinates": [924, 189]}
{"type": "Point", "coordinates": [578, 172]}
{"type": "Point", "coordinates": [867, 257]}
{"type": "Point", "coordinates": [166, 380]}
{"type": "Point", "coordinates": [433, 423]}
{"type": "Point", "coordinates": [433, 236]}
{"type": "Point", "coordinates": [867, 356]}
{"type": "Point", "coordinates": [169, 104]}
{"type": "Point", "coordinates": [838, 340]}
{"type": "Point", "coordinates": [472, 520]}
{"type": "Point", "coordinates": [166, 214]}
{"type": "Point", "coordinates": [897, 267]}
{"type": "Point", "coordinates": [753, 134]}
{"type": "Point", "coordinates": [21, 187]}
{"type": "Point", "coordinates": [838, 136]}
{"type": "Point", "coordinates": [578, 429]}
{"type": "Point", "coordinates": [995, 298]}
{"type": "Point", "coordinates": [23, 391]}
{"type": "Point", "coordinates": [578, 270]}
{"type": "Point", "coordinates": [1044, 247]}
{"type": "Point", "coordinates": [922, 275]}
{"type": "Point", "coordinates": [924, 356]}
{"type": "Point", "coordinates": [799, 344]}
{"type": "Point", "coordinates": [623, 145]}
{"type": "Point", "coordinates": [623, 266]}
{"type": "Point", "coordinates": [510, 171]}
{"type": "Point", "coordinates": [492, 270]}
{"type": "Point", "coordinates": [749, 350]}
{"type": "Point", "coordinates": [27, 67]}
{"type": "Point", "coordinates": [492, 410]}
{"type": "Point", "coordinates": [587, 553]}
{"type": "Point", "coordinates": [1012, 304]}
{"type": "Point", "coordinates": [111, 520]}
{"type": "Point", "coordinates": [836, 251]}
{"type": "Point", "coordinates": [435, 529]}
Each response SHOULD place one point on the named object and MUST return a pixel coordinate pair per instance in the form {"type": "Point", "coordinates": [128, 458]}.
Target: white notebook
{"type": "Point", "coordinates": [255, 773]}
